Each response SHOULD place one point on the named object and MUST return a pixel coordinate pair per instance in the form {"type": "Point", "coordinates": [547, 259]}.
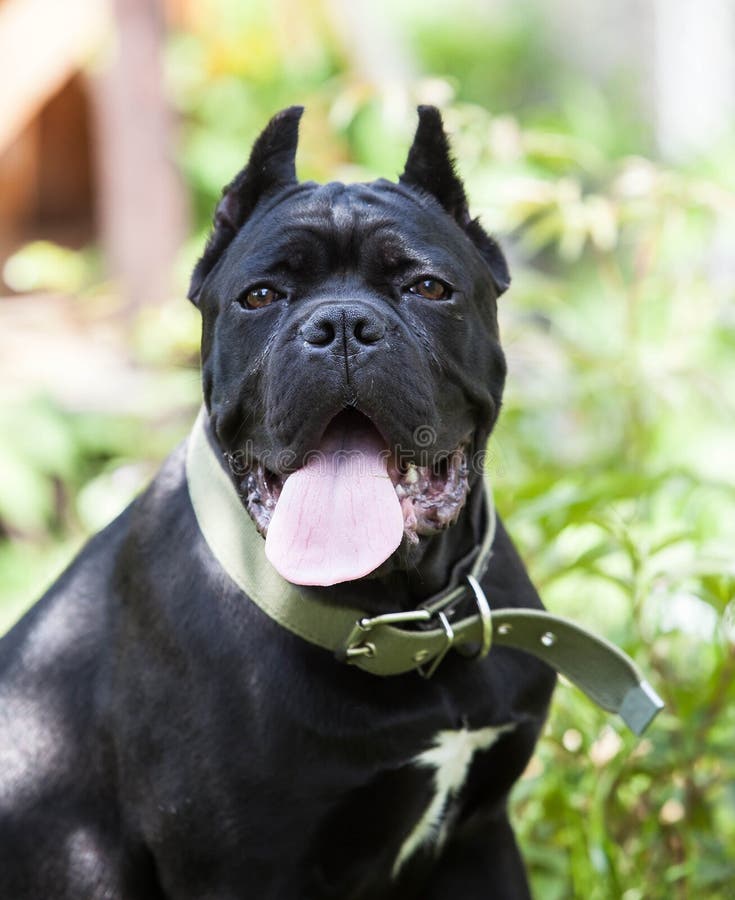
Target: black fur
{"type": "Point", "coordinates": [271, 166]}
{"type": "Point", "coordinates": [430, 168]}
{"type": "Point", "coordinates": [160, 737]}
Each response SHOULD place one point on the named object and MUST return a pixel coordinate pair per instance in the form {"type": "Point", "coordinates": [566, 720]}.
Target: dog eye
{"type": "Point", "coordinates": [259, 296]}
{"type": "Point", "coordinates": [430, 289]}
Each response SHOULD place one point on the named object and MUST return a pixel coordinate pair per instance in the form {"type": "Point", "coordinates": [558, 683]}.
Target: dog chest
{"type": "Point", "coordinates": [448, 761]}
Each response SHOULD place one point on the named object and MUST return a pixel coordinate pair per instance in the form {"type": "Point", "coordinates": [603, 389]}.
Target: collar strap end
{"type": "Point", "coordinates": [640, 706]}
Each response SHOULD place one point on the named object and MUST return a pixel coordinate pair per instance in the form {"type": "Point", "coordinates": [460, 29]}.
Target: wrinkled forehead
{"type": "Point", "coordinates": [357, 218]}
{"type": "Point", "coordinates": [343, 205]}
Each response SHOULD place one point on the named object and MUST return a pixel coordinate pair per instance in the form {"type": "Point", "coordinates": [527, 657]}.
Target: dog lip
{"type": "Point", "coordinates": [432, 495]}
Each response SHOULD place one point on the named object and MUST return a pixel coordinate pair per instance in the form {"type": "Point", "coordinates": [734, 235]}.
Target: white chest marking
{"type": "Point", "coordinates": [450, 757]}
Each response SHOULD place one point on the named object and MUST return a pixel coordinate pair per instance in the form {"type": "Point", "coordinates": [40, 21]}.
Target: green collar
{"type": "Point", "coordinates": [401, 642]}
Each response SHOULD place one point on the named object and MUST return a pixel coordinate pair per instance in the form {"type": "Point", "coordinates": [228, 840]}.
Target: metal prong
{"type": "Point", "coordinates": [449, 632]}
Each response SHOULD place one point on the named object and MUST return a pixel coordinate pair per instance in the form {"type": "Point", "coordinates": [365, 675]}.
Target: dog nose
{"type": "Point", "coordinates": [343, 324]}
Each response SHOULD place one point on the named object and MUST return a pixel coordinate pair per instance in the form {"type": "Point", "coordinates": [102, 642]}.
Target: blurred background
{"type": "Point", "coordinates": [597, 141]}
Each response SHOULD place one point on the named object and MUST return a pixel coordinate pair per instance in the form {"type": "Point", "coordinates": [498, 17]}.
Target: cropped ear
{"type": "Point", "coordinates": [271, 166]}
{"type": "Point", "coordinates": [430, 169]}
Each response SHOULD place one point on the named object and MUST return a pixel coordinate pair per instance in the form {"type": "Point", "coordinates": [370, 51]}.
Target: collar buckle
{"type": "Point", "coordinates": [357, 644]}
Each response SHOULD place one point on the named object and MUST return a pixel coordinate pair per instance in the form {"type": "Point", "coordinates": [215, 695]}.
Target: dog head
{"type": "Point", "coordinates": [359, 315]}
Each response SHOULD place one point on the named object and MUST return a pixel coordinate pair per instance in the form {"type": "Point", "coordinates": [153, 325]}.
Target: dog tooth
{"type": "Point", "coordinates": [409, 515]}
{"type": "Point", "coordinates": [412, 474]}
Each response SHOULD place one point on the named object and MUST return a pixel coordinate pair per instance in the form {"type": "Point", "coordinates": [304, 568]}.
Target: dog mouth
{"type": "Point", "coordinates": [355, 500]}
{"type": "Point", "coordinates": [431, 495]}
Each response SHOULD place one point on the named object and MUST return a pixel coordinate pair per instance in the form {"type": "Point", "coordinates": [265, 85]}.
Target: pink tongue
{"type": "Point", "coordinates": [339, 517]}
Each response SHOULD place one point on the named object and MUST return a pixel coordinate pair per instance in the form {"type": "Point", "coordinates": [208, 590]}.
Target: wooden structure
{"type": "Point", "coordinates": [86, 147]}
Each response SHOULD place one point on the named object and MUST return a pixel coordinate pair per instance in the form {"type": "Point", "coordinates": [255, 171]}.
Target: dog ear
{"type": "Point", "coordinates": [430, 168]}
{"type": "Point", "coordinates": [271, 166]}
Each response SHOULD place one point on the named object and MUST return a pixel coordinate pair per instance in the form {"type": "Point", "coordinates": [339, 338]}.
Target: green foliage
{"type": "Point", "coordinates": [612, 460]}
{"type": "Point", "coordinates": [610, 468]}
{"type": "Point", "coordinates": [64, 475]}
{"type": "Point", "coordinates": [43, 266]}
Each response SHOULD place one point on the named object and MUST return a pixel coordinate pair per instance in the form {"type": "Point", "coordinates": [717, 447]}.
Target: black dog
{"type": "Point", "coordinates": [168, 732]}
